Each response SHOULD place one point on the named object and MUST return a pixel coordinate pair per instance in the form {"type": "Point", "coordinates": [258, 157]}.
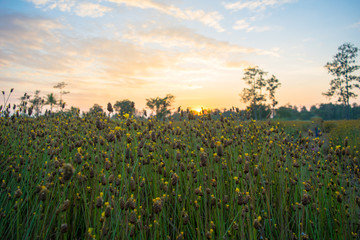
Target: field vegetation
{"type": "Point", "coordinates": [93, 177]}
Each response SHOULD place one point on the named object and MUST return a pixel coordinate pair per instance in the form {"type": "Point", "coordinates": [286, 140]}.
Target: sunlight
{"type": "Point", "coordinates": [198, 109]}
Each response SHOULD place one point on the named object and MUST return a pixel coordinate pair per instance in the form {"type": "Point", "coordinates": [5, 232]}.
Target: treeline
{"type": "Point", "coordinates": [326, 111]}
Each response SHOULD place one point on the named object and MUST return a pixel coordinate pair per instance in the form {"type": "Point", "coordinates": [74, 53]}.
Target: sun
{"type": "Point", "coordinates": [198, 110]}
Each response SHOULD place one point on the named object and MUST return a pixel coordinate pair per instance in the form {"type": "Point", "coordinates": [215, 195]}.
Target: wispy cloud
{"type": "Point", "coordinates": [355, 25]}
{"type": "Point", "coordinates": [39, 45]}
{"type": "Point", "coordinates": [80, 8]}
{"type": "Point", "coordinates": [185, 37]}
{"type": "Point", "coordinates": [237, 64]}
{"type": "Point", "coordinates": [23, 40]}
{"type": "Point", "coordinates": [91, 10]}
{"type": "Point", "coordinates": [85, 8]}
{"type": "Point", "coordinates": [211, 19]}
{"type": "Point", "coordinates": [255, 5]}
{"type": "Point", "coordinates": [144, 58]}
{"type": "Point", "coordinates": [244, 25]}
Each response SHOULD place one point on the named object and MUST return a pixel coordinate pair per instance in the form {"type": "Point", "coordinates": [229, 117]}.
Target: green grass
{"type": "Point", "coordinates": [196, 179]}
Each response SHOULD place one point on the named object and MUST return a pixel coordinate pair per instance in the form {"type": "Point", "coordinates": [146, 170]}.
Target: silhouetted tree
{"type": "Point", "coordinates": [254, 77]}
{"type": "Point", "coordinates": [51, 100]}
{"type": "Point", "coordinates": [125, 106]}
{"type": "Point", "coordinates": [160, 105]}
{"type": "Point", "coordinates": [342, 67]}
{"type": "Point", "coordinates": [272, 84]}
{"type": "Point", "coordinates": [37, 102]}
{"type": "Point", "coordinates": [61, 86]}
{"type": "Point", "coordinates": [96, 108]}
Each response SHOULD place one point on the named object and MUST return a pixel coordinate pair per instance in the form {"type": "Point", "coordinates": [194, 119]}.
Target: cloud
{"type": "Point", "coordinates": [255, 5]}
{"type": "Point", "coordinates": [62, 5]}
{"type": "Point", "coordinates": [237, 64]}
{"type": "Point", "coordinates": [40, 2]}
{"type": "Point", "coordinates": [82, 9]}
{"type": "Point", "coordinates": [176, 37]}
{"type": "Point", "coordinates": [39, 44]}
{"type": "Point", "coordinates": [146, 59]}
{"type": "Point", "coordinates": [210, 19]}
{"type": "Point", "coordinates": [88, 9]}
{"type": "Point", "coordinates": [355, 25]}
{"type": "Point", "coordinates": [244, 25]}
{"type": "Point", "coordinates": [91, 10]}
{"type": "Point", "coordinates": [23, 39]}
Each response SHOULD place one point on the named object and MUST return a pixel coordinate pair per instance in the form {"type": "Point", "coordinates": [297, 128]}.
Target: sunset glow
{"type": "Point", "coordinates": [111, 50]}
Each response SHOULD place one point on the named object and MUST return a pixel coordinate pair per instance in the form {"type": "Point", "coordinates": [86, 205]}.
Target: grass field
{"type": "Point", "coordinates": [95, 178]}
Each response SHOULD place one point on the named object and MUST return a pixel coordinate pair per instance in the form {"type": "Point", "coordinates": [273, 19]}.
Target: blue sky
{"type": "Point", "coordinates": [108, 50]}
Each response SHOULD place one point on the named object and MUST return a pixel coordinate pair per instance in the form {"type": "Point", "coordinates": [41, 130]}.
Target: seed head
{"type": "Point", "coordinates": [68, 171]}
{"type": "Point", "coordinates": [64, 228]}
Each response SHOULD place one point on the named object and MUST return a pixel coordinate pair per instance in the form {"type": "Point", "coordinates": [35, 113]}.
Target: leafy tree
{"type": "Point", "coordinates": [96, 108]}
{"type": "Point", "coordinates": [272, 84]}
{"type": "Point", "coordinates": [51, 100]}
{"type": "Point", "coordinates": [37, 102]}
{"type": "Point", "coordinates": [254, 77]}
{"type": "Point", "coordinates": [160, 105]}
{"type": "Point", "coordinates": [342, 68]}
{"type": "Point", "coordinates": [61, 86]}
{"type": "Point", "coordinates": [125, 106]}
{"type": "Point", "coordinates": [256, 93]}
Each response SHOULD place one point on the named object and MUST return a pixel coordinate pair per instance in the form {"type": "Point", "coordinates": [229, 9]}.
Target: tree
{"type": "Point", "coordinates": [342, 67]}
{"type": "Point", "coordinates": [254, 77]}
{"type": "Point", "coordinates": [37, 103]}
{"type": "Point", "coordinates": [96, 108]}
{"type": "Point", "coordinates": [125, 106]}
{"type": "Point", "coordinates": [61, 86]}
{"type": "Point", "coordinates": [272, 84]}
{"type": "Point", "coordinates": [160, 105]}
{"type": "Point", "coordinates": [51, 100]}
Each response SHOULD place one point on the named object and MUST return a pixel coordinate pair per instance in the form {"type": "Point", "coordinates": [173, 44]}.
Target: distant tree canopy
{"type": "Point", "coordinates": [327, 111]}
{"type": "Point", "coordinates": [342, 68]}
{"type": "Point", "coordinates": [96, 108]}
{"type": "Point", "coordinates": [125, 106]}
{"type": "Point", "coordinates": [161, 106]}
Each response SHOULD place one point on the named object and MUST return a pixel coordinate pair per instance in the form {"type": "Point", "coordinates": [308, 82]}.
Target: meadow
{"type": "Point", "coordinates": [66, 177]}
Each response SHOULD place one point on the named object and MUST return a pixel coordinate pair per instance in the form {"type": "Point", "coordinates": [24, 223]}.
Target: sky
{"type": "Point", "coordinates": [110, 50]}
